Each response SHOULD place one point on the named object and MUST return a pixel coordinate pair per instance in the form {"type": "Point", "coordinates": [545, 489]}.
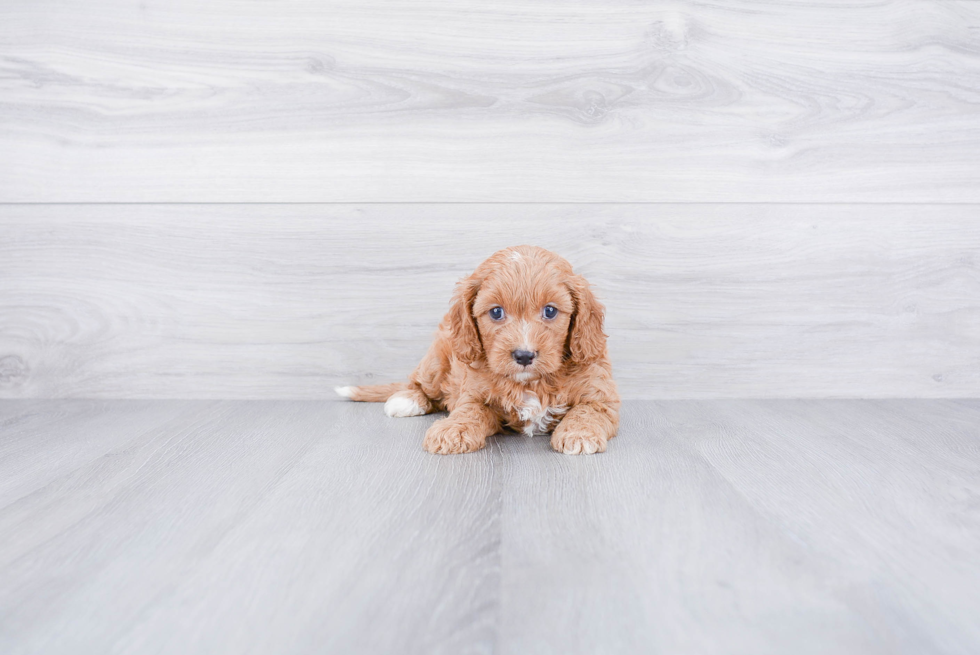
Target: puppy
{"type": "Point", "coordinates": [521, 348]}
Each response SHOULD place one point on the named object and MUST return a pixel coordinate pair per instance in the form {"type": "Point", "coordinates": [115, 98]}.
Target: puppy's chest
{"type": "Point", "coordinates": [532, 417]}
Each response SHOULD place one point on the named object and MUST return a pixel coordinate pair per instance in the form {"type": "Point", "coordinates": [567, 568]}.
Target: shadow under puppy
{"type": "Point", "coordinates": [521, 348]}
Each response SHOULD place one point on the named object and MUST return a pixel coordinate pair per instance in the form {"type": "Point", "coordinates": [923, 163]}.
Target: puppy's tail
{"type": "Point", "coordinates": [374, 393]}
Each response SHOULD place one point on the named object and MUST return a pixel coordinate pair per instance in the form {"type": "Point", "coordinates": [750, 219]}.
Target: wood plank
{"type": "Point", "coordinates": [749, 527]}
{"type": "Point", "coordinates": [41, 444]}
{"type": "Point", "coordinates": [270, 301]}
{"type": "Point", "coordinates": [598, 100]}
{"type": "Point", "coordinates": [266, 527]}
{"type": "Point", "coordinates": [306, 527]}
{"type": "Point", "coordinates": [884, 492]}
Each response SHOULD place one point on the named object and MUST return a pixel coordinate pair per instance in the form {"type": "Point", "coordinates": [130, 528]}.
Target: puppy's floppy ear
{"type": "Point", "coordinates": [466, 338]}
{"type": "Point", "coordinates": [586, 341]}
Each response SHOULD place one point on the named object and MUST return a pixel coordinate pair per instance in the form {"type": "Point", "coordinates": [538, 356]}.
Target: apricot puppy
{"type": "Point", "coordinates": [521, 348]}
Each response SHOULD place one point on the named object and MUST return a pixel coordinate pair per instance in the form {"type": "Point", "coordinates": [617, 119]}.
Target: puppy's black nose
{"type": "Point", "coordinates": [523, 357]}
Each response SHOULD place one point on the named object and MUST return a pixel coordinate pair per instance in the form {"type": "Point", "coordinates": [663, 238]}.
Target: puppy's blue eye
{"type": "Point", "coordinates": [497, 313]}
{"type": "Point", "coordinates": [550, 311]}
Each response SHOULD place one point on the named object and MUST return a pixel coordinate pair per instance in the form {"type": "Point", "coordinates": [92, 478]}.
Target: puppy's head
{"type": "Point", "coordinates": [526, 313]}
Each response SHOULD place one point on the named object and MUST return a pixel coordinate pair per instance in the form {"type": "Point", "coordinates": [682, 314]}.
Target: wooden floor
{"type": "Point", "coordinates": [715, 526]}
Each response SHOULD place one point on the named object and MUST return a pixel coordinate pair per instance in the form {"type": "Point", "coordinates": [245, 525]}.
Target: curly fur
{"type": "Point", "coordinates": [568, 389]}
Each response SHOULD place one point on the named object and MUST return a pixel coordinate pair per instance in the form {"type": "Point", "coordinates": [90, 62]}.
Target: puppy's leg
{"type": "Point", "coordinates": [410, 402]}
{"type": "Point", "coordinates": [465, 429]}
{"type": "Point", "coordinates": [585, 429]}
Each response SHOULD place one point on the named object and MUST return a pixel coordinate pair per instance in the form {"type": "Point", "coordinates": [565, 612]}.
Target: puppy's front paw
{"type": "Point", "coordinates": [576, 441]}
{"type": "Point", "coordinates": [449, 437]}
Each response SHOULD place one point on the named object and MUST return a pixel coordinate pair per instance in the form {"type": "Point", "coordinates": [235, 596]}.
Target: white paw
{"type": "Point", "coordinates": [401, 405]}
{"type": "Point", "coordinates": [580, 448]}
{"type": "Point", "coordinates": [346, 392]}
{"type": "Point", "coordinates": [576, 442]}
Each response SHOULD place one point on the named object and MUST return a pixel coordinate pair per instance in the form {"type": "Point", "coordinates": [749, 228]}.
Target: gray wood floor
{"type": "Point", "coordinates": [715, 526]}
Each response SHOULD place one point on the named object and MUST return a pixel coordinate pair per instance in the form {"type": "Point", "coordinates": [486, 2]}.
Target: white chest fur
{"type": "Point", "coordinates": [537, 419]}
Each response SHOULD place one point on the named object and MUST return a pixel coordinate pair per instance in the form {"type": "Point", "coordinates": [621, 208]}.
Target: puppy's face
{"type": "Point", "coordinates": [526, 313]}
{"type": "Point", "coordinates": [523, 321]}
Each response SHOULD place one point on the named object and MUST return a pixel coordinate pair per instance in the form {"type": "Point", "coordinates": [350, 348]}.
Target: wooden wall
{"type": "Point", "coordinates": [285, 301]}
{"type": "Point", "coordinates": [255, 199]}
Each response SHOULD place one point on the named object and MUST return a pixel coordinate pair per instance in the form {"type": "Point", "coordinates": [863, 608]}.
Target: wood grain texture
{"type": "Point", "coordinates": [267, 301]}
{"type": "Point", "coordinates": [599, 100]}
{"type": "Point", "coordinates": [750, 527]}
{"type": "Point", "coordinates": [259, 527]}
{"type": "Point", "coordinates": [725, 526]}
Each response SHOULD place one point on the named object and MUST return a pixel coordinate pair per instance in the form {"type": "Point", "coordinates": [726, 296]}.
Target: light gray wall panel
{"type": "Point", "coordinates": [603, 100]}
{"type": "Point", "coordinates": [285, 301]}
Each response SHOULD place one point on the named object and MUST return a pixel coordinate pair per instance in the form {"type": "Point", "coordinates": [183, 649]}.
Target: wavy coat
{"type": "Point", "coordinates": [523, 303]}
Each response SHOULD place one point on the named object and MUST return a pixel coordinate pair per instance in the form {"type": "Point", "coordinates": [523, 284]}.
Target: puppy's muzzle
{"type": "Point", "coordinates": [523, 357]}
